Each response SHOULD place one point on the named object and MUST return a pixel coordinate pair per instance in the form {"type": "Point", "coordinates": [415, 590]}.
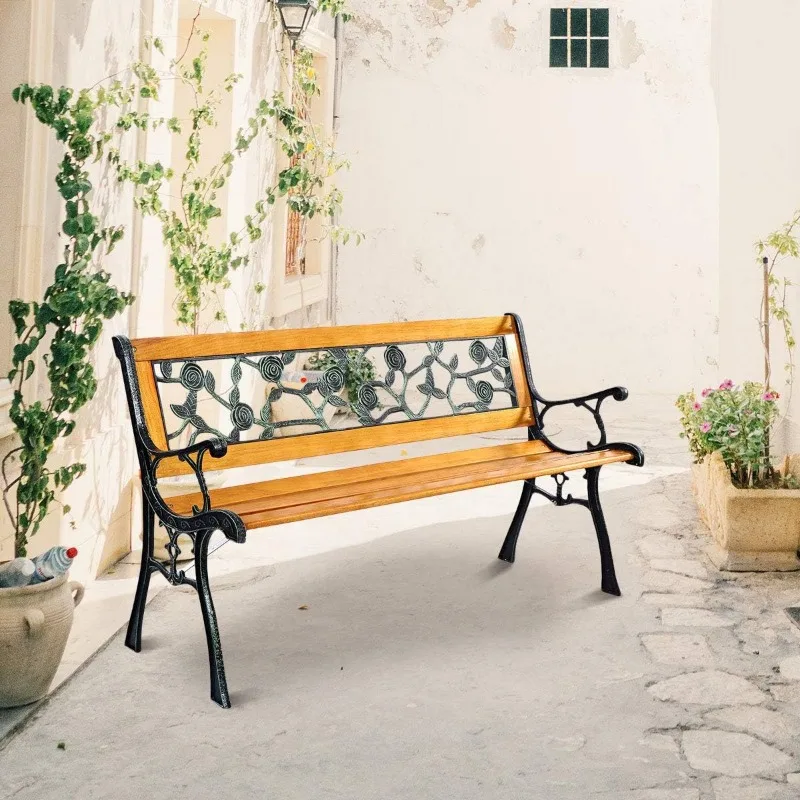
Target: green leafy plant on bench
{"type": "Point", "coordinates": [359, 369]}
{"type": "Point", "coordinates": [200, 261]}
{"type": "Point", "coordinates": [59, 332]}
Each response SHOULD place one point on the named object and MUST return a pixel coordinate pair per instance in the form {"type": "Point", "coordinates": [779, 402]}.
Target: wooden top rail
{"type": "Point", "coordinates": [209, 345]}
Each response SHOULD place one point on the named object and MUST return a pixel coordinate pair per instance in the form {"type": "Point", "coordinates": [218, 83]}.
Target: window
{"type": "Point", "coordinates": [296, 233]}
{"type": "Point", "coordinates": [302, 251]}
{"type": "Point", "coordinates": [579, 37]}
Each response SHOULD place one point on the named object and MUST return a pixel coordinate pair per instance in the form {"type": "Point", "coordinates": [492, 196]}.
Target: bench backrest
{"type": "Point", "coordinates": [431, 380]}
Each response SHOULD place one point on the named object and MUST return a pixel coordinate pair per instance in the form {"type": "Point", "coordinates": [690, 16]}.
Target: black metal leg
{"type": "Point", "coordinates": [609, 578]}
{"type": "Point", "coordinates": [509, 548]}
{"type": "Point", "coordinates": [219, 686]}
{"type": "Point", "coordinates": [134, 636]}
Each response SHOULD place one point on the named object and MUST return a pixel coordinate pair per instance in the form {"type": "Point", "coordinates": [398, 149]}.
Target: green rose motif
{"type": "Point", "coordinates": [242, 416]}
{"type": "Point", "coordinates": [484, 391]}
{"type": "Point", "coordinates": [367, 396]}
{"type": "Point", "coordinates": [271, 368]}
{"type": "Point", "coordinates": [478, 352]}
{"type": "Point", "coordinates": [332, 380]}
{"type": "Point", "coordinates": [394, 357]}
{"type": "Point", "coordinates": [192, 377]}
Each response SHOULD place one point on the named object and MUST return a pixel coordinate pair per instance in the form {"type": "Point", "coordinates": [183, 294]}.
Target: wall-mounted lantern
{"type": "Point", "coordinates": [295, 16]}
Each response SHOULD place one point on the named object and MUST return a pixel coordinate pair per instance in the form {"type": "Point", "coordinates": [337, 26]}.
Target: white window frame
{"type": "Point", "coordinates": [292, 293]}
{"type": "Point", "coordinates": [569, 37]}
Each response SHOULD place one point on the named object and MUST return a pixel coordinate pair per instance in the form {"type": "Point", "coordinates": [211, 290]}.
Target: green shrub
{"type": "Point", "coordinates": [359, 369]}
{"type": "Point", "coordinates": [736, 422]}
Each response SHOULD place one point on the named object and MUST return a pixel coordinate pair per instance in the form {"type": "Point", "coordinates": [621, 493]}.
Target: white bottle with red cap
{"type": "Point", "coordinates": [52, 563]}
{"type": "Point", "coordinates": [16, 573]}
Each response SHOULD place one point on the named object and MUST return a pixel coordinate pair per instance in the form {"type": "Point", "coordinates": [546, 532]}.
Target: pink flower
{"type": "Point", "coordinates": [706, 392]}
{"type": "Point", "coordinates": [770, 396]}
{"type": "Point", "coordinates": [705, 427]}
{"type": "Point", "coordinates": [697, 406]}
{"type": "Point", "coordinates": [726, 384]}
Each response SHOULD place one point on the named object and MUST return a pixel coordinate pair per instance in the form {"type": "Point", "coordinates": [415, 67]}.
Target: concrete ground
{"type": "Point", "coordinates": [424, 668]}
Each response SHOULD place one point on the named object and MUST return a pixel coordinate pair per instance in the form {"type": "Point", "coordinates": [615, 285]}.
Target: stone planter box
{"type": "Point", "coordinates": [754, 530]}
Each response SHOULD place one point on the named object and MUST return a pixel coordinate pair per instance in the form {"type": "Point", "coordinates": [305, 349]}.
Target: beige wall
{"type": "Point", "coordinates": [586, 201]}
{"type": "Point", "coordinates": [14, 16]}
{"type": "Point", "coordinates": [755, 63]}
{"type": "Point", "coordinates": [91, 40]}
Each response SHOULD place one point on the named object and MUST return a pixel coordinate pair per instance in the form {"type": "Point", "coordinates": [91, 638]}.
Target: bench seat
{"type": "Point", "coordinates": [333, 492]}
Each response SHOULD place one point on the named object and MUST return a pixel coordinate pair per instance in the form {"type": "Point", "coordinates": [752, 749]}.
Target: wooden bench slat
{"type": "Point", "coordinates": [340, 477]}
{"type": "Point", "coordinates": [175, 348]}
{"type": "Point", "coordinates": [361, 438]}
{"type": "Point", "coordinates": [308, 496]}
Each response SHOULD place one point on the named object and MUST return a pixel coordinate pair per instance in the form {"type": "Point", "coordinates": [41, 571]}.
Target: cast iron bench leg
{"type": "Point", "coordinates": [219, 686]}
{"type": "Point", "coordinates": [134, 636]}
{"type": "Point", "coordinates": [608, 576]}
{"type": "Point", "coordinates": [509, 548]}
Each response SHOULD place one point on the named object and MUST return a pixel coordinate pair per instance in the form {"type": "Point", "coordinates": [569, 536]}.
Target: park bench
{"type": "Point", "coordinates": [217, 395]}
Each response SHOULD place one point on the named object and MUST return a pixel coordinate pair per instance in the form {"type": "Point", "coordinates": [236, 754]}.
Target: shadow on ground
{"type": "Point", "coordinates": [421, 668]}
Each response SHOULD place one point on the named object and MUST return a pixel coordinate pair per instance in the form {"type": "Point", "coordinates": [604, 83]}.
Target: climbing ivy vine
{"type": "Point", "coordinates": [58, 332]}
{"type": "Point", "coordinates": [200, 259]}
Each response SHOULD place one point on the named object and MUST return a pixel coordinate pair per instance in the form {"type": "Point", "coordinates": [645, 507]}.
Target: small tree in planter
{"type": "Point", "coordinates": [53, 378]}
{"type": "Point", "coordinates": [751, 508]}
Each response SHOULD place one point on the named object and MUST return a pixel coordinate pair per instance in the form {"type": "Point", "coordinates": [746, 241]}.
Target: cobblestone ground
{"type": "Point", "coordinates": [422, 670]}
{"type": "Point", "coordinates": [728, 654]}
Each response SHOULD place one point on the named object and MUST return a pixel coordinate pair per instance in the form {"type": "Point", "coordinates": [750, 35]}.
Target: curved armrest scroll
{"type": "Point", "coordinates": [592, 403]}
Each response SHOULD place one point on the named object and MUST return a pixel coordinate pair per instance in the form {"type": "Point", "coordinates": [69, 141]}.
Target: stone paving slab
{"type": "Point", "coordinates": [425, 669]}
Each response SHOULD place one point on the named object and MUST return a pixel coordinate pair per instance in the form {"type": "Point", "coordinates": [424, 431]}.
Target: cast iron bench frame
{"type": "Point", "coordinates": [197, 517]}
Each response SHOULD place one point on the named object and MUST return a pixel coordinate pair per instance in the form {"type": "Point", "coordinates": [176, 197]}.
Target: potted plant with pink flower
{"type": "Point", "coordinates": [750, 504]}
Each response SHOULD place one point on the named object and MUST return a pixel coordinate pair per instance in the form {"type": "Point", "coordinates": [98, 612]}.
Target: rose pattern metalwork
{"type": "Point", "coordinates": [435, 387]}
{"type": "Point", "coordinates": [484, 391]}
{"type": "Point", "coordinates": [191, 376]}
{"type": "Point", "coordinates": [368, 397]}
{"type": "Point", "coordinates": [332, 380]}
{"type": "Point", "coordinates": [394, 357]}
{"type": "Point", "coordinates": [271, 368]}
{"type": "Point", "coordinates": [242, 416]}
{"type": "Point", "coordinates": [478, 352]}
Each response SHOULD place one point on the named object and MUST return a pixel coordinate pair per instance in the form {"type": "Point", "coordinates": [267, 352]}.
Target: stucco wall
{"type": "Point", "coordinates": [584, 200]}
{"type": "Point", "coordinates": [86, 43]}
{"type": "Point", "coordinates": [90, 41]}
{"type": "Point", "coordinates": [755, 63]}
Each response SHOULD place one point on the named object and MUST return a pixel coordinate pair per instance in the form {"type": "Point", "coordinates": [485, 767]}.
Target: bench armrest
{"type": "Point", "coordinates": [192, 455]}
{"type": "Point", "coordinates": [206, 517]}
{"type": "Point", "coordinates": [592, 403]}
{"type": "Point", "coordinates": [216, 447]}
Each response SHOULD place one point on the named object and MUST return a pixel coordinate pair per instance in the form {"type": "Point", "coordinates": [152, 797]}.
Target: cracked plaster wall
{"type": "Point", "coordinates": [90, 40]}
{"type": "Point", "coordinates": [755, 61]}
{"type": "Point", "coordinates": [587, 201]}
